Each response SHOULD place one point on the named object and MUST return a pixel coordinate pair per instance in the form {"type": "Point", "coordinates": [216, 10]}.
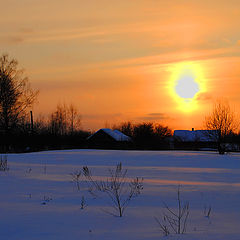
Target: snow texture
{"type": "Point", "coordinates": [39, 200]}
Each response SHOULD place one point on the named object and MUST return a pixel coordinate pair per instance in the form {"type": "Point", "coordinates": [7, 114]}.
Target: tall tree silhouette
{"type": "Point", "coordinates": [221, 123]}
{"type": "Point", "coordinates": [65, 120]}
{"type": "Point", "coordinates": [16, 94]}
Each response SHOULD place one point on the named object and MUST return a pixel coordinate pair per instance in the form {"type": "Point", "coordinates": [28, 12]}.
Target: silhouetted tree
{"type": "Point", "coordinates": [221, 123]}
{"type": "Point", "coordinates": [65, 120]}
{"type": "Point", "coordinates": [146, 135]}
{"type": "Point", "coordinates": [143, 135]}
{"type": "Point", "coordinates": [16, 94]}
{"type": "Point", "coordinates": [74, 118]}
{"type": "Point", "coordinates": [162, 132]}
{"type": "Point", "coordinates": [58, 120]}
{"type": "Point", "coordinates": [41, 125]}
{"type": "Point", "coordinates": [126, 128]}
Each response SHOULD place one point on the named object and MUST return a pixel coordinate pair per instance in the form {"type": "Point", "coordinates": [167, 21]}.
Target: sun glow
{"type": "Point", "coordinates": [185, 85]}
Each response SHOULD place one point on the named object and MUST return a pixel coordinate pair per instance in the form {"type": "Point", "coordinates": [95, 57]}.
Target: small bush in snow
{"type": "Point", "coordinates": [115, 187]}
{"type": "Point", "coordinates": [83, 203]}
{"type": "Point", "coordinates": [4, 163]}
{"type": "Point", "coordinates": [46, 200]}
{"type": "Point", "coordinates": [76, 178]}
{"type": "Point", "coordinates": [163, 226]}
{"type": "Point", "coordinates": [207, 211]}
{"type": "Point", "coordinates": [176, 220]}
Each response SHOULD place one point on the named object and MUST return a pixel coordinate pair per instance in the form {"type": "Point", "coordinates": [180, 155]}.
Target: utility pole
{"type": "Point", "coordinates": [31, 116]}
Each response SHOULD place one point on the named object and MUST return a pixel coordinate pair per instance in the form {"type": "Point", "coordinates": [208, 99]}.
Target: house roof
{"type": "Point", "coordinates": [196, 135]}
{"type": "Point", "coordinates": [115, 134]}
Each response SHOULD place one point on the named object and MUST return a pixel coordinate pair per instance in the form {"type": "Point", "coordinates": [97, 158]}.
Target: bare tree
{"type": "Point", "coordinates": [126, 128]}
{"type": "Point", "coordinates": [162, 131]}
{"type": "Point", "coordinates": [74, 118]}
{"type": "Point", "coordinates": [116, 187]}
{"type": "Point", "coordinates": [220, 124]}
{"type": "Point", "coordinates": [58, 120]}
{"type": "Point", "coordinates": [16, 94]}
{"type": "Point", "coordinates": [65, 120]}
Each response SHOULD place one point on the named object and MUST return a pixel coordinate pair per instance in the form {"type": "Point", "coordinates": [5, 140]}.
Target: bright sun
{"type": "Point", "coordinates": [185, 85]}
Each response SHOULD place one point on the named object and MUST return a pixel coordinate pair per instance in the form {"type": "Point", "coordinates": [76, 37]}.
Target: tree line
{"type": "Point", "coordinates": [147, 135]}
{"type": "Point", "coordinates": [19, 131]}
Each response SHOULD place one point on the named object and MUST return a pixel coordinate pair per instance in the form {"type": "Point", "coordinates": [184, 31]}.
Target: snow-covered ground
{"type": "Point", "coordinates": [39, 202]}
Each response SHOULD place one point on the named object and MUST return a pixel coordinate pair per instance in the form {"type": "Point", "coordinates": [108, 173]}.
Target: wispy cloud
{"type": "Point", "coordinates": [173, 57]}
{"type": "Point", "coordinates": [154, 117]}
{"type": "Point", "coordinates": [48, 36]}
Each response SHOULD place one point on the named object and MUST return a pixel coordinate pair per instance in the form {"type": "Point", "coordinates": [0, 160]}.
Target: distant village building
{"type": "Point", "coordinates": [195, 135]}
{"type": "Point", "coordinates": [195, 139]}
{"type": "Point", "coordinates": [108, 138]}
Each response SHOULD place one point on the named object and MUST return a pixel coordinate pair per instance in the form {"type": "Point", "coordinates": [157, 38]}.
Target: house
{"type": "Point", "coordinates": [108, 138]}
{"type": "Point", "coordinates": [195, 139]}
{"type": "Point", "coordinates": [195, 135]}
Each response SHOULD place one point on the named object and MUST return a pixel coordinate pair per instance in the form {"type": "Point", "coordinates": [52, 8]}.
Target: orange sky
{"type": "Point", "coordinates": [115, 59]}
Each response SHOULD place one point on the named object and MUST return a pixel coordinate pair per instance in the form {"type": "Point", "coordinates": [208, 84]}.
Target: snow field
{"type": "Point", "coordinates": [39, 201]}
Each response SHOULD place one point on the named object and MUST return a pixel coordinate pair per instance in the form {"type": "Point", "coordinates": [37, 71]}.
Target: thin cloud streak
{"type": "Point", "coordinates": [169, 58]}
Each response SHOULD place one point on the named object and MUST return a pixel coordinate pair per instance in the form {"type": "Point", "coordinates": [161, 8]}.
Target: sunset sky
{"type": "Point", "coordinates": [122, 60]}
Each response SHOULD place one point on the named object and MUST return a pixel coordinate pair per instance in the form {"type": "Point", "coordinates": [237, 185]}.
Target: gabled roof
{"type": "Point", "coordinates": [115, 134]}
{"type": "Point", "coordinates": [196, 135]}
